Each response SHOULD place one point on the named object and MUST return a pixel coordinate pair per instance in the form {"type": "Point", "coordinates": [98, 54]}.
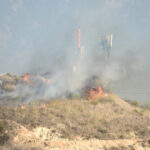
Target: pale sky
{"type": "Point", "coordinates": [35, 32]}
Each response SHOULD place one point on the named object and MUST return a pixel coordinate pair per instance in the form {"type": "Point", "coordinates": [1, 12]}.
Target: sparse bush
{"type": "Point", "coordinates": [3, 139]}
{"type": "Point", "coordinates": [146, 106]}
{"type": "Point", "coordinates": [2, 129]}
{"type": "Point", "coordinates": [134, 103]}
{"type": "Point", "coordinates": [107, 99]}
{"type": "Point", "coordinates": [139, 111]}
{"type": "Point", "coordinates": [76, 96]}
{"type": "Point", "coordinates": [94, 102]}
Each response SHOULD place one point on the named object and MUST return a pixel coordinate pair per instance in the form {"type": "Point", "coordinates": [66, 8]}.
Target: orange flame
{"type": "Point", "coordinates": [22, 107]}
{"type": "Point", "coordinates": [95, 93]}
{"type": "Point", "coordinates": [43, 106]}
{"type": "Point", "coordinates": [26, 77]}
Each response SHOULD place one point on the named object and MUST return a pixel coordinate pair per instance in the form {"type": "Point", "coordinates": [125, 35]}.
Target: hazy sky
{"type": "Point", "coordinates": [36, 31]}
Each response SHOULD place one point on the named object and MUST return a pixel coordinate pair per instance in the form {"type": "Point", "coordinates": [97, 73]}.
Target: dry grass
{"type": "Point", "coordinates": [102, 119]}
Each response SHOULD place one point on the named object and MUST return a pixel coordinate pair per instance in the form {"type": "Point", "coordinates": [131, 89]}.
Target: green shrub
{"type": "Point", "coordinates": [2, 129]}
{"type": "Point", "coordinates": [3, 139]}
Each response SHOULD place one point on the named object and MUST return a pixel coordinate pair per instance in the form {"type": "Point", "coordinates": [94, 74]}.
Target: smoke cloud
{"type": "Point", "coordinates": [52, 47]}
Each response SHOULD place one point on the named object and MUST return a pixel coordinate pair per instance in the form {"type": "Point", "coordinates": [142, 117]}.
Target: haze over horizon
{"type": "Point", "coordinates": [41, 36]}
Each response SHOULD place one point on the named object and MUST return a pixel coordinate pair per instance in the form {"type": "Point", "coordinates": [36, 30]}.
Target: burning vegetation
{"type": "Point", "coordinates": [108, 117]}
{"type": "Point", "coordinates": [23, 89]}
{"type": "Point", "coordinates": [95, 93]}
{"type": "Point", "coordinates": [69, 103]}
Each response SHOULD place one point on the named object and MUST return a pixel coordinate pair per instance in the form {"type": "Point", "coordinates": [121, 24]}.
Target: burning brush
{"type": "Point", "coordinates": [94, 94]}
{"type": "Point", "coordinates": [92, 90]}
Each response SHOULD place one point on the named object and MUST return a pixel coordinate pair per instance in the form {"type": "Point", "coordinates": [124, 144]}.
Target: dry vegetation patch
{"type": "Point", "coordinates": [105, 118]}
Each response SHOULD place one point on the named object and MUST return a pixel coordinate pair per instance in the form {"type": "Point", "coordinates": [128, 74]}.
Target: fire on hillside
{"type": "Point", "coordinates": [30, 87]}
{"type": "Point", "coordinates": [65, 82]}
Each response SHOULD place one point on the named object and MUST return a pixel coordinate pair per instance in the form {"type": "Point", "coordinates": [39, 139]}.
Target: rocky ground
{"type": "Point", "coordinates": [44, 139]}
